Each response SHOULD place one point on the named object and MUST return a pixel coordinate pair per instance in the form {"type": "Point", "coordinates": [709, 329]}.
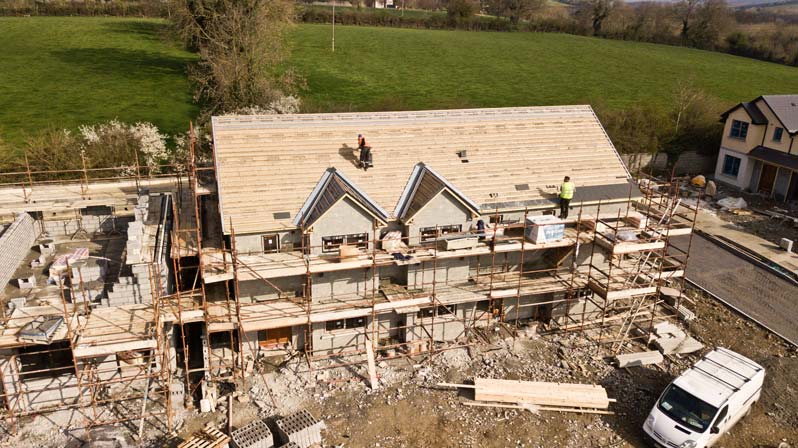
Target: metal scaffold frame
{"type": "Point", "coordinates": [506, 274]}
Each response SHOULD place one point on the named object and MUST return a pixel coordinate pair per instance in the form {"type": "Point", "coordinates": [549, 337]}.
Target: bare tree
{"type": "Point", "coordinates": [703, 21]}
{"type": "Point", "coordinates": [596, 12]}
{"type": "Point", "coordinates": [242, 51]}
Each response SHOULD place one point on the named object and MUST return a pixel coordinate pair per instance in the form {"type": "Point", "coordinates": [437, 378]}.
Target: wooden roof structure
{"type": "Point", "coordinates": [424, 185]}
{"type": "Point", "coordinates": [267, 166]}
{"type": "Point", "coordinates": [333, 187]}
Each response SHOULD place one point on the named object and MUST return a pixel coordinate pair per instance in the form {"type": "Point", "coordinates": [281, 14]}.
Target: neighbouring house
{"type": "Point", "coordinates": [758, 151]}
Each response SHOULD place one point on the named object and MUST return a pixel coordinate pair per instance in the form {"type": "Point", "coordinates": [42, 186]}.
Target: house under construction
{"type": "Point", "coordinates": [129, 296]}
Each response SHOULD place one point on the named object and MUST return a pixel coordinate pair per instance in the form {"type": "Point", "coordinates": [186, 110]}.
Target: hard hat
{"type": "Point", "coordinates": [359, 135]}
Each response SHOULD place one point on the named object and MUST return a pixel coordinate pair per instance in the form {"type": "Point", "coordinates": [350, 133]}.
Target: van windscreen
{"type": "Point", "coordinates": [686, 409]}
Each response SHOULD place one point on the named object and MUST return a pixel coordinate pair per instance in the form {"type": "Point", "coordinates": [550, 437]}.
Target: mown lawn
{"type": "Point", "coordinates": [390, 68]}
{"type": "Point", "coordinates": [64, 72]}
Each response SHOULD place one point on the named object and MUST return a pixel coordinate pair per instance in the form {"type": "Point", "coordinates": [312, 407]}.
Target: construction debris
{"type": "Point", "coordinates": [671, 340]}
{"type": "Point", "coordinates": [41, 330]}
{"type": "Point", "coordinates": [638, 359]}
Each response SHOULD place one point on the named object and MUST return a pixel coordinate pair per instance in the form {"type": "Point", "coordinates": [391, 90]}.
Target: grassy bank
{"type": "Point", "coordinates": [389, 68]}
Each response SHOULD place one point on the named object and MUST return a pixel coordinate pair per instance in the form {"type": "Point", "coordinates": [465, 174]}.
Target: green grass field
{"type": "Point", "coordinates": [64, 72]}
{"type": "Point", "coordinates": [385, 68]}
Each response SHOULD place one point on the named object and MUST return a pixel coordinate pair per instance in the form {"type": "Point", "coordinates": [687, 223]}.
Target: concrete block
{"type": "Point", "coordinates": [205, 405]}
{"type": "Point", "coordinates": [38, 261]}
{"type": "Point", "coordinates": [253, 435]}
{"type": "Point", "coordinates": [27, 282]}
{"type": "Point", "coordinates": [786, 244]}
{"type": "Point", "coordinates": [47, 247]}
{"type": "Point", "coordinates": [301, 428]}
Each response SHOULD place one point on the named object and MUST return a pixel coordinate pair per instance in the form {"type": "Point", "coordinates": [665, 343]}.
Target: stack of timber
{"type": "Point", "coordinates": [538, 396]}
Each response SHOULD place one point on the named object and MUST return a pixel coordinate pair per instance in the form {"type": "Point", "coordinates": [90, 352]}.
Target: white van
{"type": "Point", "coordinates": [705, 401]}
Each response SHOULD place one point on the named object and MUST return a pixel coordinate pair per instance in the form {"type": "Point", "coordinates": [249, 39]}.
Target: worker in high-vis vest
{"type": "Point", "coordinates": [567, 190]}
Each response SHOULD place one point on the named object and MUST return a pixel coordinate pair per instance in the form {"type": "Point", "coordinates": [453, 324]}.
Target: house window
{"type": "Point", "coordinates": [344, 324]}
{"type": "Point", "coordinates": [271, 243]}
{"type": "Point", "coordinates": [429, 233]}
{"type": "Point", "coordinates": [332, 243]}
{"type": "Point", "coordinates": [739, 129]}
{"type": "Point", "coordinates": [496, 219]}
{"type": "Point", "coordinates": [777, 134]}
{"type": "Point", "coordinates": [731, 165]}
{"type": "Point", "coordinates": [429, 312]}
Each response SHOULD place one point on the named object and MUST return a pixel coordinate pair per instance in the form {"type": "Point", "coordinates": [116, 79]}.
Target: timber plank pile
{"type": "Point", "coordinates": [538, 396]}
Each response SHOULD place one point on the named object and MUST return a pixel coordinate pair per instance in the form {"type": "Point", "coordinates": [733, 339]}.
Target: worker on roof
{"type": "Point", "coordinates": [567, 190]}
{"type": "Point", "coordinates": [365, 152]}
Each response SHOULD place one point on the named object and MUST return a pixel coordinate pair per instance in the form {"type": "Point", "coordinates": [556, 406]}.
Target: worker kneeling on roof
{"type": "Point", "coordinates": [365, 152]}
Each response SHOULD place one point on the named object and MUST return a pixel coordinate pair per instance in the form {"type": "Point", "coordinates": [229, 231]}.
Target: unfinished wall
{"type": "Point", "coordinates": [15, 242]}
{"type": "Point", "coordinates": [258, 290]}
{"type": "Point", "coordinates": [338, 341]}
{"type": "Point", "coordinates": [92, 220]}
{"type": "Point", "coordinates": [342, 285]}
{"type": "Point", "coordinates": [444, 327]}
{"type": "Point", "coordinates": [445, 271]}
{"type": "Point", "coordinates": [344, 218]}
{"type": "Point", "coordinates": [442, 210]}
{"type": "Point", "coordinates": [253, 243]}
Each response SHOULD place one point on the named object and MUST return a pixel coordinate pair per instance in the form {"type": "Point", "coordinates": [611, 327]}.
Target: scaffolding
{"type": "Point", "coordinates": [614, 298]}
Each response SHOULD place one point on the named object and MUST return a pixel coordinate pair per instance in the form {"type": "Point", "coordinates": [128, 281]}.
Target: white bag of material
{"type": "Point", "coordinates": [732, 203]}
{"type": "Point", "coordinates": [392, 241]}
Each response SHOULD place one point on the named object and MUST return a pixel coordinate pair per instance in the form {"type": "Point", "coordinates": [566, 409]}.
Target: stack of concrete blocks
{"type": "Point", "coordinates": [88, 270]}
{"type": "Point", "coordinates": [15, 242]}
{"type": "Point", "coordinates": [300, 428]}
{"type": "Point", "coordinates": [253, 435]}
{"type": "Point", "coordinates": [135, 230]}
{"type": "Point", "coordinates": [137, 289]}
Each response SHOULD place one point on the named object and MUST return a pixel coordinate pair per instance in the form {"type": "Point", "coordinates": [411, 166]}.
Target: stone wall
{"type": "Point", "coordinates": [15, 242]}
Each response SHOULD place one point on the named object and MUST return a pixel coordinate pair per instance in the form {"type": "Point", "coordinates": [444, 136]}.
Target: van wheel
{"type": "Point", "coordinates": [748, 412]}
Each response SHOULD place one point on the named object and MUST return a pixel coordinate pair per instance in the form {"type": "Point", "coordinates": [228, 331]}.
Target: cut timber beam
{"type": "Point", "coordinates": [540, 393]}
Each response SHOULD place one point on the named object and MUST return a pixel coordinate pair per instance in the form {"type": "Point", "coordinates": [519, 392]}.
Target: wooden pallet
{"type": "Point", "coordinates": [209, 437]}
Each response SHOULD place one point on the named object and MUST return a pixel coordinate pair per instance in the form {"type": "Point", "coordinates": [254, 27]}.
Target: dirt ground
{"type": "Point", "coordinates": [411, 411]}
{"type": "Point", "coordinates": [763, 226]}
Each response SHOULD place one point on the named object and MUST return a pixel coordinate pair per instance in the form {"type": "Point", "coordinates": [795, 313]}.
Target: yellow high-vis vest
{"type": "Point", "coordinates": [567, 190]}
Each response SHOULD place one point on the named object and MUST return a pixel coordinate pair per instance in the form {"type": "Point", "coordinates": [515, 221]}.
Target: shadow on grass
{"type": "Point", "coordinates": [123, 63]}
{"type": "Point", "coordinates": [143, 30]}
